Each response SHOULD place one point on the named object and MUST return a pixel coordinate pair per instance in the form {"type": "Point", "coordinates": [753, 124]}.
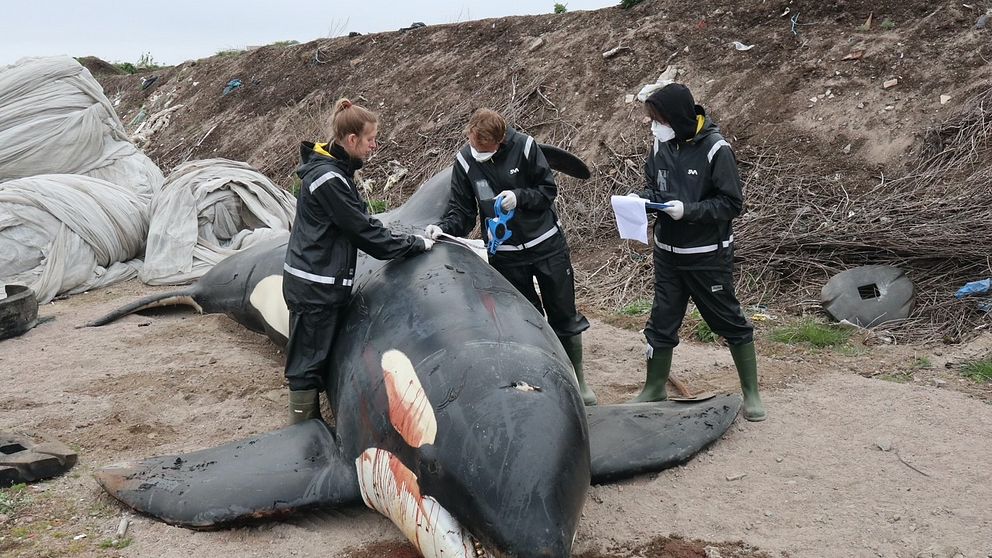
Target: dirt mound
{"type": "Point", "coordinates": [811, 105]}
{"type": "Point", "coordinates": [100, 68]}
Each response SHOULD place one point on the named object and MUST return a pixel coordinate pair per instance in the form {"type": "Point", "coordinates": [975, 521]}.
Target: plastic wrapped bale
{"type": "Point", "coordinates": [67, 233]}
{"type": "Point", "coordinates": [55, 119]}
{"type": "Point", "coordinates": [868, 296]}
{"type": "Point", "coordinates": [207, 211]}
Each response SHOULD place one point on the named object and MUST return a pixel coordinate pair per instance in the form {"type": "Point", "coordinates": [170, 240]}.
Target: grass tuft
{"type": "Point", "coordinates": [812, 333]}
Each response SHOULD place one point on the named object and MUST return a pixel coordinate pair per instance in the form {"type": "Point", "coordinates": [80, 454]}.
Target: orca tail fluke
{"type": "Point", "coordinates": [634, 438]}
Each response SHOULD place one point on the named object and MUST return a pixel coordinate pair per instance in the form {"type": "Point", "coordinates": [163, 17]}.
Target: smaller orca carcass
{"type": "Point", "coordinates": [457, 413]}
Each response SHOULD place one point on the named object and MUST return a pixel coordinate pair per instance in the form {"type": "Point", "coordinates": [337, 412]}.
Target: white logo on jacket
{"type": "Point", "coordinates": [693, 171]}
{"type": "Point", "coordinates": [514, 171]}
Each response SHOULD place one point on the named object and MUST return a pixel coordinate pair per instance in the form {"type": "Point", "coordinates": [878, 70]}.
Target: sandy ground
{"type": "Point", "coordinates": [846, 465]}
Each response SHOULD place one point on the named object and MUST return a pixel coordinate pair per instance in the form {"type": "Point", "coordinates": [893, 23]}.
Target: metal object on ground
{"type": "Point", "coordinates": [24, 460]}
{"type": "Point", "coordinates": [869, 295]}
{"type": "Point", "coordinates": [18, 311]}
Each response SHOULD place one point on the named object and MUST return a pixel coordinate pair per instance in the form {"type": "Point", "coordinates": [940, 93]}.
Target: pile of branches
{"type": "Point", "coordinates": [934, 223]}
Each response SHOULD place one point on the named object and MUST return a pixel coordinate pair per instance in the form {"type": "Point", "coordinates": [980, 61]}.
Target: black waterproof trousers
{"type": "Point", "coordinates": [711, 289]}
{"type": "Point", "coordinates": [557, 299]}
{"type": "Point", "coordinates": [308, 351]}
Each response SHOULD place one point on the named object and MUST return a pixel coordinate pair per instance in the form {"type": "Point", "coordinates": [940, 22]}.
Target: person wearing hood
{"type": "Point", "coordinates": [332, 224]}
{"type": "Point", "coordinates": [501, 160]}
{"type": "Point", "coordinates": [693, 171]}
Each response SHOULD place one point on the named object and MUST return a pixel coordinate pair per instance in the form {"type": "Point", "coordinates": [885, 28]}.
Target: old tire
{"type": "Point", "coordinates": [18, 312]}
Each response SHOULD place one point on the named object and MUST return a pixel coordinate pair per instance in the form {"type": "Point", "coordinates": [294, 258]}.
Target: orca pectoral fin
{"type": "Point", "coordinates": [634, 438]}
{"type": "Point", "coordinates": [269, 475]}
{"type": "Point", "coordinates": [563, 161]}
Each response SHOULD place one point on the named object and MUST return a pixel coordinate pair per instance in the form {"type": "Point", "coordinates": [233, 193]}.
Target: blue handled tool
{"type": "Point", "coordinates": [501, 219]}
{"type": "Point", "coordinates": [658, 206]}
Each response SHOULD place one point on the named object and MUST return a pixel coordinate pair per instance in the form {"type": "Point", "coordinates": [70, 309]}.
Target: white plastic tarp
{"type": "Point", "coordinates": [69, 233]}
{"type": "Point", "coordinates": [207, 211]}
{"type": "Point", "coordinates": [55, 119]}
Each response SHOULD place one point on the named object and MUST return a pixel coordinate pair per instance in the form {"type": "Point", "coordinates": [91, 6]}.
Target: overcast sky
{"type": "Point", "coordinates": [180, 30]}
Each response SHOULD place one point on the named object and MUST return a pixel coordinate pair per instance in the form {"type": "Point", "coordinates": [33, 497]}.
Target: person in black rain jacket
{"type": "Point", "coordinates": [501, 162]}
{"type": "Point", "coordinates": [692, 169]}
{"type": "Point", "coordinates": [332, 224]}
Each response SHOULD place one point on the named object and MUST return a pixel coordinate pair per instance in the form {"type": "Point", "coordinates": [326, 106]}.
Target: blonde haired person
{"type": "Point", "coordinates": [500, 159]}
{"type": "Point", "coordinates": [332, 224]}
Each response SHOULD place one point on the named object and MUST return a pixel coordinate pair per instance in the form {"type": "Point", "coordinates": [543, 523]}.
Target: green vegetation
{"type": "Point", "coordinates": [702, 330]}
{"type": "Point", "coordinates": [639, 307]}
{"type": "Point", "coordinates": [817, 334]}
{"type": "Point", "coordinates": [887, 24]}
{"type": "Point", "coordinates": [229, 52]}
{"type": "Point", "coordinates": [897, 377]}
{"type": "Point", "coordinates": [852, 350]}
{"type": "Point", "coordinates": [978, 370]}
{"type": "Point", "coordinates": [116, 544]}
{"type": "Point", "coordinates": [922, 362]}
{"type": "Point", "coordinates": [285, 43]}
{"type": "Point", "coordinates": [560, 8]}
{"type": "Point", "coordinates": [10, 498]}
{"type": "Point", "coordinates": [378, 206]}
{"type": "Point", "coordinates": [126, 67]}
{"type": "Point", "coordinates": [629, 3]}
{"type": "Point", "coordinates": [145, 62]}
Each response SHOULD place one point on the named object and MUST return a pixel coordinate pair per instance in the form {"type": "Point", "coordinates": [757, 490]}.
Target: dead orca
{"type": "Point", "coordinates": [457, 415]}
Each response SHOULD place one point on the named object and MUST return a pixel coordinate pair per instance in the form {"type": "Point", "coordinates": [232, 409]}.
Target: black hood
{"type": "Point", "coordinates": [675, 103]}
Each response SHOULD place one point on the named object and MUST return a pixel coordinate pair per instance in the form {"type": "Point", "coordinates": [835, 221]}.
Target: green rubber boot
{"type": "Point", "coordinates": [659, 366]}
{"type": "Point", "coordinates": [747, 370]}
{"type": "Point", "coordinates": [303, 405]}
{"type": "Point", "coordinates": [573, 348]}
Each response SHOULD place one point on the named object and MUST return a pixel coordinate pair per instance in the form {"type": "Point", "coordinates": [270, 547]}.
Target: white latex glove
{"type": "Point", "coordinates": [634, 195]}
{"type": "Point", "coordinates": [509, 199]}
{"type": "Point", "coordinates": [428, 243]}
{"type": "Point", "coordinates": [675, 209]}
{"type": "Point", "coordinates": [433, 231]}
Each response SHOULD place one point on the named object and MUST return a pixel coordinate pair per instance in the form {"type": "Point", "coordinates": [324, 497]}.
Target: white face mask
{"type": "Point", "coordinates": [482, 157]}
{"type": "Point", "coordinates": [663, 132]}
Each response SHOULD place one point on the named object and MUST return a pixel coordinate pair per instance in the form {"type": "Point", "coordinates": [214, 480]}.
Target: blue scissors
{"type": "Point", "coordinates": [501, 219]}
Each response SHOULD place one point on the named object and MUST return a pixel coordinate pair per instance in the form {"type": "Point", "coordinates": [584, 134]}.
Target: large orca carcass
{"type": "Point", "coordinates": [457, 413]}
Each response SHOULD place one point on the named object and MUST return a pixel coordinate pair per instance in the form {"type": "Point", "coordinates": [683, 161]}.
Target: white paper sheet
{"type": "Point", "coordinates": [632, 218]}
